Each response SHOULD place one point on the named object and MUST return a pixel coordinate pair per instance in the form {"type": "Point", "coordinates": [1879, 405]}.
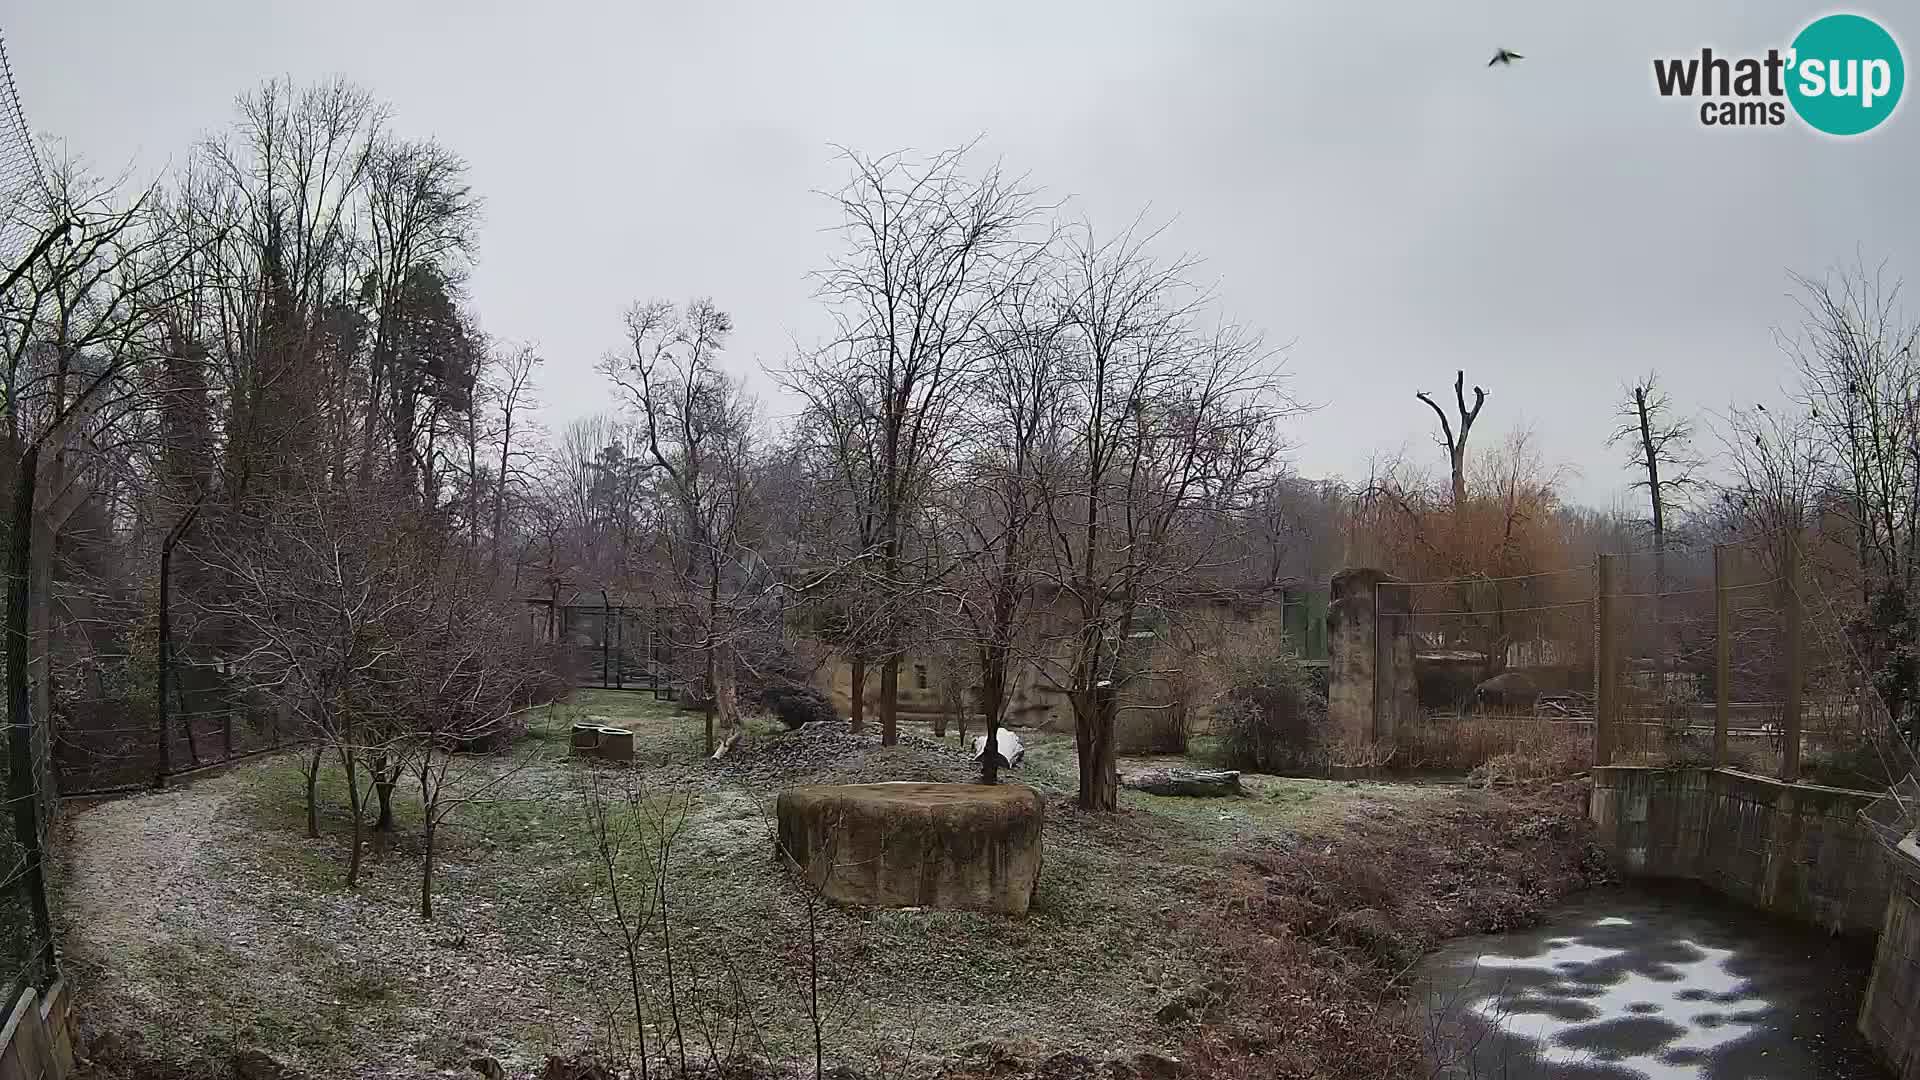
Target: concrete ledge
{"type": "Point", "coordinates": [1888, 1012]}
{"type": "Point", "coordinates": [1798, 850]}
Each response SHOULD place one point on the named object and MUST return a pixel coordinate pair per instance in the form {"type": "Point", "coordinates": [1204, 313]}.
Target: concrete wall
{"type": "Point", "coordinates": [37, 1042]}
{"type": "Point", "coordinates": [1798, 850]}
{"type": "Point", "coordinates": [1890, 1014]}
{"type": "Point", "coordinates": [1370, 683]}
{"type": "Point", "coordinates": [1033, 698]}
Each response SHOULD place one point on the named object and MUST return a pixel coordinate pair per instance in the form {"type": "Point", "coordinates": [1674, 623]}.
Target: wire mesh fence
{"type": "Point", "coordinates": [27, 948]}
{"type": "Point", "coordinates": [1722, 654]}
{"type": "Point", "coordinates": [20, 175]}
{"type": "Point", "coordinates": [617, 647]}
{"type": "Point", "coordinates": [1503, 666]}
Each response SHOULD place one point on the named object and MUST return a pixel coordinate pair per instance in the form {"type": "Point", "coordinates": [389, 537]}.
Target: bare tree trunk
{"type": "Point", "coordinates": [386, 773]}
{"type": "Point", "coordinates": [313, 788]}
{"type": "Point", "coordinates": [1651, 450]}
{"type": "Point", "coordinates": [993, 693]}
{"type": "Point", "coordinates": [193, 745]}
{"type": "Point", "coordinates": [1099, 779]}
{"type": "Point", "coordinates": [40, 616]}
{"type": "Point", "coordinates": [426, 872]}
{"type": "Point", "coordinates": [164, 674]}
{"type": "Point", "coordinates": [353, 807]}
{"type": "Point", "coordinates": [500, 498]}
{"type": "Point", "coordinates": [21, 774]}
{"type": "Point", "coordinates": [889, 700]}
{"type": "Point", "coordinates": [430, 806]}
{"type": "Point", "coordinates": [858, 696]}
{"type": "Point", "coordinates": [711, 694]}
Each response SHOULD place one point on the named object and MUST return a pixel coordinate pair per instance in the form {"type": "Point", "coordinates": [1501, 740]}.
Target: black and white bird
{"type": "Point", "coordinates": [1504, 56]}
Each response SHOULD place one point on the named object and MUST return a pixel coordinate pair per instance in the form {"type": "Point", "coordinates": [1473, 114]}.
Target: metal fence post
{"type": "Point", "coordinates": [1606, 688]}
{"type": "Point", "coordinates": [1722, 656]}
{"type": "Point", "coordinates": [1790, 714]}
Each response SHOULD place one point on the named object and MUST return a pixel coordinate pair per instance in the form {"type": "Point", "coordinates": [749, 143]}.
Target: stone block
{"type": "Point", "coordinates": [959, 846]}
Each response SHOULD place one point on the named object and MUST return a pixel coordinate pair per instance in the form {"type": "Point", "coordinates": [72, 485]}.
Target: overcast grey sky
{"type": "Point", "coordinates": [1356, 179]}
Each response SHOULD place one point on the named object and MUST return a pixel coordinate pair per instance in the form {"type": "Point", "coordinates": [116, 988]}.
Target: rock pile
{"type": "Point", "coordinates": [825, 751]}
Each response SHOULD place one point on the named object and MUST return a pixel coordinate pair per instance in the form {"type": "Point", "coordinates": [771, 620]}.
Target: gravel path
{"type": "Point", "coordinates": [192, 933]}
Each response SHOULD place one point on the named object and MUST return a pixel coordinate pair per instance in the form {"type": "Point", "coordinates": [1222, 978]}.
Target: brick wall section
{"type": "Point", "coordinates": [37, 1042]}
{"type": "Point", "coordinates": [1798, 850]}
{"type": "Point", "coordinates": [1890, 1014]}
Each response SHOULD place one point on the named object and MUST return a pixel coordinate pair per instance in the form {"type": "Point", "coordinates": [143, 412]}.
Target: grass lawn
{"type": "Point", "coordinates": [206, 921]}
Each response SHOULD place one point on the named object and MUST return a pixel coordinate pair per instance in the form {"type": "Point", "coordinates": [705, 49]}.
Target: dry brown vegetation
{"type": "Point", "coordinates": [1320, 932]}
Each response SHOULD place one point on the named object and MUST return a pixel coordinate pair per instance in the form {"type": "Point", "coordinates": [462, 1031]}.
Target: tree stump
{"type": "Point", "coordinates": [972, 847]}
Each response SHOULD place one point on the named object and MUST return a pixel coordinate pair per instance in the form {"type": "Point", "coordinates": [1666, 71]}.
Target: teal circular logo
{"type": "Point", "coordinates": [1846, 74]}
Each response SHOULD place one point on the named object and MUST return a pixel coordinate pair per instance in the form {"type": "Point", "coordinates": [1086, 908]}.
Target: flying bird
{"type": "Point", "coordinates": [1504, 56]}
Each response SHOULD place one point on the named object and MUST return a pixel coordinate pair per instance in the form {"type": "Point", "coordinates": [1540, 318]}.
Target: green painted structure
{"type": "Point", "coordinates": [1303, 614]}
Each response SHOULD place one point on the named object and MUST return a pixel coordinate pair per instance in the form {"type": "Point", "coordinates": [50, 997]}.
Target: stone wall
{"type": "Point", "coordinates": [1888, 1014]}
{"type": "Point", "coordinates": [37, 1042]}
{"type": "Point", "coordinates": [1370, 684]}
{"type": "Point", "coordinates": [1797, 850]}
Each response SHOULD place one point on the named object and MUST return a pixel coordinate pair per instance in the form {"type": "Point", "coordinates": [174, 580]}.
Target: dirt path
{"type": "Point", "coordinates": [130, 868]}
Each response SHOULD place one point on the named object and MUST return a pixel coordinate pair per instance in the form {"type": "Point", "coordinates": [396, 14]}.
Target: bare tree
{"type": "Point", "coordinates": [929, 250]}
{"type": "Point", "coordinates": [420, 215]}
{"type": "Point", "coordinates": [1857, 350]}
{"type": "Point", "coordinates": [466, 691]}
{"type": "Point", "coordinates": [513, 398]}
{"type": "Point", "coordinates": [1660, 448]}
{"type": "Point", "coordinates": [839, 522]}
{"type": "Point", "coordinates": [995, 503]}
{"type": "Point", "coordinates": [1775, 477]}
{"type": "Point", "coordinates": [1456, 444]}
{"type": "Point", "coordinates": [1166, 423]}
{"type": "Point", "coordinates": [291, 178]}
{"type": "Point", "coordinates": [78, 325]}
{"type": "Point", "coordinates": [332, 612]}
{"type": "Point", "coordinates": [697, 426]}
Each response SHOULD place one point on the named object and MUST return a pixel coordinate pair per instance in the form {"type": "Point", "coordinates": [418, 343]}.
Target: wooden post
{"type": "Point", "coordinates": [606, 638]}
{"type": "Point", "coordinates": [1722, 656]}
{"type": "Point", "coordinates": [1606, 689]}
{"type": "Point", "coordinates": [620, 650]}
{"type": "Point", "coordinates": [1790, 713]}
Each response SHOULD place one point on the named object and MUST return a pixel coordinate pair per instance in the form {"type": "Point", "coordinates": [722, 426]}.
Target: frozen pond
{"type": "Point", "coordinates": [1652, 983]}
